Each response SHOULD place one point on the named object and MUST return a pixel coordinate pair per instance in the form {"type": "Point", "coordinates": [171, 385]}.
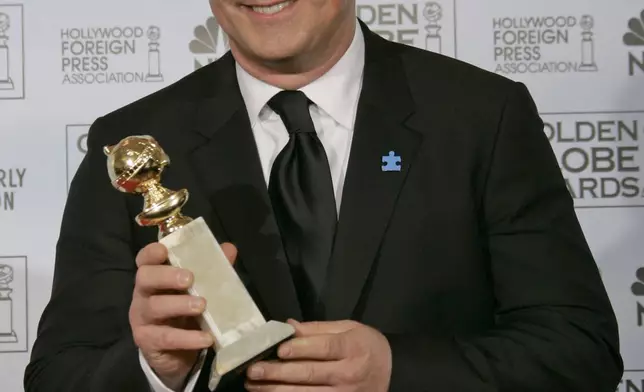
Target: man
{"type": "Point", "coordinates": [455, 262]}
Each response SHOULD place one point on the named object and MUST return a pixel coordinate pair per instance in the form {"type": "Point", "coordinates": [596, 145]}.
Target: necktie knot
{"type": "Point", "coordinates": [293, 108]}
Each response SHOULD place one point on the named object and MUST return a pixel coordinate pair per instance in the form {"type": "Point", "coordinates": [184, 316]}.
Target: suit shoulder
{"type": "Point", "coordinates": [462, 93]}
{"type": "Point", "coordinates": [433, 71]}
{"type": "Point", "coordinates": [184, 89]}
{"type": "Point", "coordinates": [166, 108]}
{"type": "Point", "coordinates": [172, 99]}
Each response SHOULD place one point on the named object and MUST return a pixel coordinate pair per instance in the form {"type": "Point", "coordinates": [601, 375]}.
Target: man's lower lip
{"type": "Point", "coordinates": [265, 14]}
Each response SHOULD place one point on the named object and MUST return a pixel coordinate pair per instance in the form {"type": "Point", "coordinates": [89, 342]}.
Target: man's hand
{"type": "Point", "coordinates": [324, 357]}
{"type": "Point", "coordinates": [163, 317]}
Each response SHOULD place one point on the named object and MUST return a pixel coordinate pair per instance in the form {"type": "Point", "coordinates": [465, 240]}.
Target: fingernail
{"type": "Point", "coordinates": [252, 387]}
{"type": "Point", "coordinates": [184, 278]}
{"type": "Point", "coordinates": [196, 304]}
{"type": "Point", "coordinates": [256, 372]}
{"type": "Point", "coordinates": [284, 351]}
{"type": "Point", "coordinates": [293, 322]}
{"type": "Point", "coordinates": [206, 338]}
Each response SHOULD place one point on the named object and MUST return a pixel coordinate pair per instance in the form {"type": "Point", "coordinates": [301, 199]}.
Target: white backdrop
{"type": "Point", "coordinates": [65, 62]}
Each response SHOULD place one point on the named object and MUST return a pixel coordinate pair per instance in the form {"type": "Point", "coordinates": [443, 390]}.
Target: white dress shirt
{"type": "Point", "coordinates": [335, 97]}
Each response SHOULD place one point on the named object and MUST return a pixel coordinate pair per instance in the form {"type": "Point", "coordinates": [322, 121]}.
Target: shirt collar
{"type": "Point", "coordinates": [336, 92]}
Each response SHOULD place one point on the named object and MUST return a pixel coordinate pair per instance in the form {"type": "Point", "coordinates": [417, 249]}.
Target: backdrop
{"type": "Point", "coordinates": [65, 62]}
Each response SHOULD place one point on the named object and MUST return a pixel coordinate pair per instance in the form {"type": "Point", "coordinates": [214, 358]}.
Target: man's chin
{"type": "Point", "coordinates": [277, 54]}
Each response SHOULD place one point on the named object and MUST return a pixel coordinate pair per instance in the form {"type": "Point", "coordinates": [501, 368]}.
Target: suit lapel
{"type": "Point", "coordinates": [228, 169]}
{"type": "Point", "coordinates": [370, 194]}
{"type": "Point", "coordinates": [223, 154]}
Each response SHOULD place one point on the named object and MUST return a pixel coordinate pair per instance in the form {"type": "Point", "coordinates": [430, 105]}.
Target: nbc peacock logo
{"type": "Point", "coordinates": [209, 43]}
{"type": "Point", "coordinates": [635, 38]}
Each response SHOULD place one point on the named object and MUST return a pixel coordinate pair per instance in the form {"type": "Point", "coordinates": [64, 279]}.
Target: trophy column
{"type": "Point", "coordinates": [7, 334]}
{"type": "Point", "coordinates": [433, 12]}
{"type": "Point", "coordinates": [587, 45]}
{"type": "Point", "coordinates": [5, 77]}
{"type": "Point", "coordinates": [154, 56]}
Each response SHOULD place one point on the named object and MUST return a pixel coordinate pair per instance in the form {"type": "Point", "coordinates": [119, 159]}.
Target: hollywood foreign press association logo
{"type": "Point", "coordinates": [11, 52]}
{"type": "Point", "coordinates": [600, 155]}
{"type": "Point", "coordinates": [13, 304]}
{"type": "Point", "coordinates": [106, 55]}
{"type": "Point", "coordinates": [544, 44]}
{"type": "Point", "coordinates": [427, 25]}
{"type": "Point", "coordinates": [635, 38]}
{"type": "Point", "coordinates": [210, 42]}
{"type": "Point", "coordinates": [76, 148]}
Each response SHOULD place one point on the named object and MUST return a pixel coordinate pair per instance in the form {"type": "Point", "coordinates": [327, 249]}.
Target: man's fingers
{"type": "Point", "coordinates": [298, 372]}
{"type": "Point", "coordinates": [159, 308]}
{"type": "Point", "coordinates": [230, 251]}
{"type": "Point", "coordinates": [158, 338]}
{"type": "Point", "coordinates": [153, 278]}
{"type": "Point", "coordinates": [273, 387]}
{"type": "Point", "coordinates": [318, 347]}
{"type": "Point", "coordinates": [322, 327]}
{"type": "Point", "coordinates": [153, 254]}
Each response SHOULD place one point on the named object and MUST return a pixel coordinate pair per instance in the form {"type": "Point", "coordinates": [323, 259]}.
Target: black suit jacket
{"type": "Point", "coordinates": [470, 260]}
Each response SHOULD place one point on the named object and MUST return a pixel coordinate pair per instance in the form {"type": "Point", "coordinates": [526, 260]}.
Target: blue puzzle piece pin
{"type": "Point", "coordinates": [391, 162]}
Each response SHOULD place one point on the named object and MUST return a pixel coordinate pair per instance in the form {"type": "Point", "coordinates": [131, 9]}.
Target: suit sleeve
{"type": "Point", "coordinates": [84, 341]}
{"type": "Point", "coordinates": [156, 385]}
{"type": "Point", "coordinates": [555, 329]}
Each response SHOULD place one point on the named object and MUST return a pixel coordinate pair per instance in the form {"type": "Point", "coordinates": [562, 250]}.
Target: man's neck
{"type": "Point", "coordinates": [294, 73]}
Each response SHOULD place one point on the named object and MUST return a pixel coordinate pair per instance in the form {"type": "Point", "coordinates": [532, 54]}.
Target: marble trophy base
{"type": "Point", "coordinates": [154, 78]}
{"type": "Point", "coordinates": [233, 360]}
{"type": "Point", "coordinates": [433, 43]}
{"type": "Point", "coordinates": [240, 332]}
{"type": "Point", "coordinates": [8, 338]}
{"type": "Point", "coordinates": [7, 335]}
{"type": "Point", "coordinates": [588, 68]}
{"type": "Point", "coordinates": [6, 84]}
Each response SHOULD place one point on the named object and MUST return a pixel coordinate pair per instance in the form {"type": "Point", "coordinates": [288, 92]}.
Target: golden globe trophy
{"type": "Point", "coordinates": [240, 332]}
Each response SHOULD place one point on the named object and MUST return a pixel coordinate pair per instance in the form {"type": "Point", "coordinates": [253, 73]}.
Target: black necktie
{"type": "Point", "coordinates": [301, 192]}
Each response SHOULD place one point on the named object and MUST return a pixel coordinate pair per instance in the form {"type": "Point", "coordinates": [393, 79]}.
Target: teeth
{"type": "Point", "coordinates": [273, 9]}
